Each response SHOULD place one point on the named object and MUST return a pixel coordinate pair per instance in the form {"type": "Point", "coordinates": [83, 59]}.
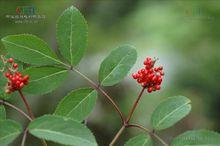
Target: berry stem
{"type": "Point", "coordinates": [135, 105]}
{"type": "Point", "coordinates": [26, 104]}
{"type": "Point", "coordinates": [30, 114]}
{"type": "Point", "coordinates": [126, 123]}
{"type": "Point", "coordinates": [98, 88]}
{"type": "Point", "coordinates": [16, 108]}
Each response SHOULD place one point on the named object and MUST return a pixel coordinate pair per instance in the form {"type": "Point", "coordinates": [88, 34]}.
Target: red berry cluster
{"type": "Point", "coordinates": [16, 80]}
{"type": "Point", "coordinates": [150, 77]}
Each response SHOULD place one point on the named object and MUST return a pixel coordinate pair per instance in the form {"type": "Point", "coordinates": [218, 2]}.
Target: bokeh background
{"type": "Point", "coordinates": [185, 35]}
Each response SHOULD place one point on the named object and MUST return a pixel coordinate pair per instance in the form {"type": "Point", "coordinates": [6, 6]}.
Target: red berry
{"type": "Point", "coordinates": [150, 89]}
{"type": "Point", "coordinates": [21, 85]}
{"type": "Point", "coordinates": [160, 68]}
{"type": "Point", "coordinates": [7, 75]}
{"type": "Point", "coordinates": [142, 70]}
{"type": "Point", "coordinates": [157, 87]}
{"type": "Point", "coordinates": [18, 74]}
{"type": "Point", "coordinates": [134, 76]}
{"type": "Point", "coordinates": [15, 65]}
{"type": "Point", "coordinates": [150, 77]}
{"type": "Point", "coordinates": [10, 60]}
{"type": "Point", "coordinates": [13, 79]}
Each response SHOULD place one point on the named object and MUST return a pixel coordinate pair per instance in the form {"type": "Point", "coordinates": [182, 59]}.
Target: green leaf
{"type": "Point", "coordinates": [169, 112]}
{"type": "Point", "coordinates": [197, 138]}
{"type": "Point", "coordinates": [117, 65]}
{"type": "Point", "coordinates": [72, 34]}
{"type": "Point", "coordinates": [78, 104]}
{"type": "Point", "coordinates": [9, 130]}
{"type": "Point", "coordinates": [44, 79]}
{"type": "Point", "coordinates": [29, 49]}
{"type": "Point", "coordinates": [140, 140]}
{"type": "Point", "coordinates": [63, 131]}
{"type": "Point", "coordinates": [2, 112]}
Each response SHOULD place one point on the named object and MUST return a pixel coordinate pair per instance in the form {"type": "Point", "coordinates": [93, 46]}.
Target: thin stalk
{"type": "Point", "coordinates": [26, 104]}
{"type": "Point", "coordinates": [128, 118]}
{"type": "Point", "coordinates": [135, 105]}
{"type": "Point", "coordinates": [139, 126]}
{"type": "Point", "coordinates": [15, 108]}
{"type": "Point", "coordinates": [98, 88]}
{"type": "Point", "coordinates": [24, 137]}
{"type": "Point", "coordinates": [117, 136]}
{"type": "Point", "coordinates": [149, 132]}
{"type": "Point", "coordinates": [30, 114]}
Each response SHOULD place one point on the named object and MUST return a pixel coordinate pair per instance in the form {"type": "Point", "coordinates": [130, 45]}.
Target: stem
{"type": "Point", "coordinates": [15, 108]}
{"type": "Point", "coordinates": [139, 126]}
{"type": "Point", "coordinates": [30, 114]}
{"type": "Point", "coordinates": [160, 139]}
{"type": "Point", "coordinates": [24, 137]}
{"type": "Point", "coordinates": [148, 131]}
{"type": "Point", "coordinates": [26, 104]}
{"type": "Point", "coordinates": [135, 105]}
{"type": "Point", "coordinates": [98, 88]}
{"type": "Point", "coordinates": [117, 135]}
{"type": "Point", "coordinates": [126, 123]}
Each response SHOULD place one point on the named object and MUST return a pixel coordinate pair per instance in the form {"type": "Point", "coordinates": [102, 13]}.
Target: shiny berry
{"type": "Point", "coordinates": [150, 77]}
{"type": "Point", "coordinates": [10, 60]}
{"type": "Point", "coordinates": [15, 65]}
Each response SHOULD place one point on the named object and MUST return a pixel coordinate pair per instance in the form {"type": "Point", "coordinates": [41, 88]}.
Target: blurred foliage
{"type": "Point", "coordinates": [183, 34]}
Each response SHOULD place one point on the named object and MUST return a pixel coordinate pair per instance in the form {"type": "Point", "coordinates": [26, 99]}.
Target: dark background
{"type": "Point", "coordinates": [185, 35]}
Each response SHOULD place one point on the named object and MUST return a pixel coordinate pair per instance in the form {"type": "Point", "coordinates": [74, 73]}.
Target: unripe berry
{"type": "Point", "coordinates": [7, 91]}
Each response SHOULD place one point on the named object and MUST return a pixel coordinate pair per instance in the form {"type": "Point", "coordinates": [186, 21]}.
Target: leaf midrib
{"type": "Point", "coordinates": [146, 141]}
{"type": "Point", "coordinates": [171, 113]}
{"type": "Point", "coordinates": [116, 66]}
{"type": "Point", "coordinates": [59, 133]}
{"type": "Point", "coordinates": [4, 137]}
{"type": "Point", "coordinates": [49, 75]}
{"type": "Point", "coordinates": [71, 36]}
{"type": "Point", "coordinates": [28, 48]}
{"type": "Point", "coordinates": [79, 103]}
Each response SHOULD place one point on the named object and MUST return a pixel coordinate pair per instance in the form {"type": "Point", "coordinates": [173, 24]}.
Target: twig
{"type": "Point", "coordinates": [98, 88]}
{"type": "Point", "coordinates": [15, 108]}
{"type": "Point", "coordinates": [24, 137]}
{"type": "Point", "coordinates": [26, 104]}
{"type": "Point", "coordinates": [149, 132]}
{"type": "Point", "coordinates": [135, 105]}
{"type": "Point", "coordinates": [117, 135]}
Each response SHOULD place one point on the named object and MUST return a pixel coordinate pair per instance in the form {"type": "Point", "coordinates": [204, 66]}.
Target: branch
{"type": "Point", "coordinates": [117, 135]}
{"type": "Point", "coordinates": [149, 132]}
{"type": "Point", "coordinates": [26, 104]}
{"type": "Point", "coordinates": [135, 105]}
{"type": "Point", "coordinates": [31, 115]}
{"type": "Point", "coordinates": [15, 108]}
{"type": "Point", "coordinates": [125, 124]}
{"type": "Point", "coordinates": [98, 88]}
